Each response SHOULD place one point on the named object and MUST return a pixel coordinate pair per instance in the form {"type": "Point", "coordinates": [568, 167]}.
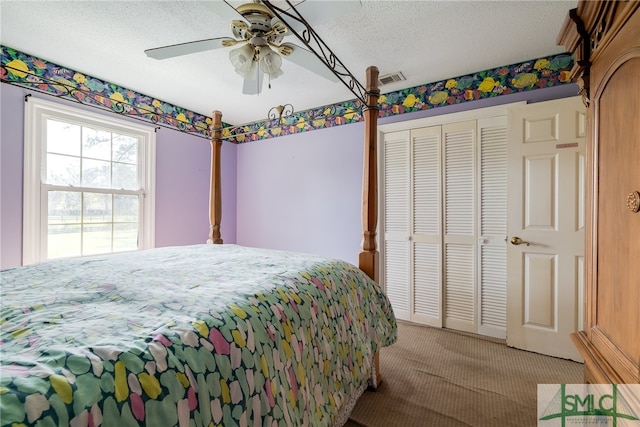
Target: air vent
{"type": "Point", "coordinates": [391, 78]}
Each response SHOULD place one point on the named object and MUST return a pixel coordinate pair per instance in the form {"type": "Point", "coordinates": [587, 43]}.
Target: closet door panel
{"type": "Point", "coordinates": [396, 277]}
{"type": "Point", "coordinates": [427, 284]}
{"type": "Point", "coordinates": [492, 210]}
{"type": "Point", "coordinates": [459, 184]}
{"type": "Point", "coordinates": [396, 185]}
{"type": "Point", "coordinates": [459, 287]}
{"type": "Point", "coordinates": [425, 219]}
{"type": "Point", "coordinates": [493, 291]}
{"type": "Point", "coordinates": [459, 224]}
{"type": "Point", "coordinates": [426, 181]}
{"type": "Point", "coordinates": [396, 206]}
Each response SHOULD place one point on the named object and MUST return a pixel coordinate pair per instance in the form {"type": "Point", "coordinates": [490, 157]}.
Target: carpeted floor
{"type": "Point", "coordinates": [437, 377]}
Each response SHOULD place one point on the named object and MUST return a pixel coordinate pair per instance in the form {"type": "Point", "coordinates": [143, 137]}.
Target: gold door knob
{"type": "Point", "coordinates": [515, 240]}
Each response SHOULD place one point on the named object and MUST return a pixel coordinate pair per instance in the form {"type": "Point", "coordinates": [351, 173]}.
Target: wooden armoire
{"type": "Point", "coordinates": [604, 37]}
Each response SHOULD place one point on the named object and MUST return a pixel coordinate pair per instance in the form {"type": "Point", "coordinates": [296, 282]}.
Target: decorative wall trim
{"type": "Point", "coordinates": [33, 73]}
{"type": "Point", "coordinates": [27, 71]}
{"type": "Point", "coordinates": [525, 76]}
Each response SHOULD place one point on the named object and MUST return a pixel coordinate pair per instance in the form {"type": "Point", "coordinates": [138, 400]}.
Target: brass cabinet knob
{"type": "Point", "coordinates": [633, 201]}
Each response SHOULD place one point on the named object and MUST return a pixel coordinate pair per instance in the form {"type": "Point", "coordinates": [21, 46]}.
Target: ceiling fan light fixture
{"type": "Point", "coordinates": [242, 59]}
{"type": "Point", "coordinates": [270, 62]}
{"type": "Point", "coordinates": [250, 73]}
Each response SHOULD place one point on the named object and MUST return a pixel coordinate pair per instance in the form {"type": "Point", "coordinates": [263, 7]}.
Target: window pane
{"type": "Point", "coordinates": [63, 170]}
{"type": "Point", "coordinates": [125, 208]}
{"type": "Point", "coordinates": [64, 207]}
{"type": "Point", "coordinates": [89, 176]}
{"type": "Point", "coordinates": [96, 173]}
{"type": "Point", "coordinates": [96, 239]}
{"type": "Point", "coordinates": [63, 138]}
{"type": "Point", "coordinates": [125, 237]}
{"type": "Point", "coordinates": [96, 144]}
{"type": "Point", "coordinates": [97, 207]}
{"type": "Point", "coordinates": [64, 241]}
{"type": "Point", "coordinates": [125, 149]}
{"type": "Point", "coordinates": [125, 176]}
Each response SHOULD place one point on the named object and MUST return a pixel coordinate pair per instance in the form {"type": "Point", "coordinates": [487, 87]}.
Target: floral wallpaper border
{"type": "Point", "coordinates": [24, 70]}
{"type": "Point", "coordinates": [28, 71]}
{"type": "Point", "coordinates": [529, 75]}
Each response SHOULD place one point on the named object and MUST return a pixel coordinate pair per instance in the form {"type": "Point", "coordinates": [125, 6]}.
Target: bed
{"type": "Point", "coordinates": [201, 335]}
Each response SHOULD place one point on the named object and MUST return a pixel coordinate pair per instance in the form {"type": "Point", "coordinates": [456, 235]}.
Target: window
{"type": "Point", "coordinates": [88, 183]}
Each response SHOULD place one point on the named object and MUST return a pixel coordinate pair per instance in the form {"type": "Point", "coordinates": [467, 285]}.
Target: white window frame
{"type": "Point", "coordinates": [35, 209]}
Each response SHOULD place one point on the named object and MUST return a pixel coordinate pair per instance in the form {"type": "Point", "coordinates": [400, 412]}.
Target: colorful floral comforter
{"type": "Point", "coordinates": [202, 335]}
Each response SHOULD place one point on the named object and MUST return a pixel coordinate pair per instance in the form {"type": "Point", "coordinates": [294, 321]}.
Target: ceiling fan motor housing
{"type": "Point", "coordinates": [261, 29]}
{"type": "Point", "coordinates": [258, 16]}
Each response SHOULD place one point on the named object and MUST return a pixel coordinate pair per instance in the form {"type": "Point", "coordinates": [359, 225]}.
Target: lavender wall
{"type": "Point", "coordinates": [182, 189]}
{"type": "Point", "coordinates": [302, 192]}
{"type": "Point", "coordinates": [11, 163]}
{"type": "Point", "coordinates": [182, 183]}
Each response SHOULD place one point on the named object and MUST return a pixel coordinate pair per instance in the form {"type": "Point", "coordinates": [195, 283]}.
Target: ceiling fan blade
{"type": "Point", "coordinates": [306, 59]}
{"type": "Point", "coordinates": [225, 11]}
{"type": "Point", "coordinates": [317, 12]}
{"type": "Point", "coordinates": [253, 86]}
{"type": "Point", "coordinates": [180, 49]}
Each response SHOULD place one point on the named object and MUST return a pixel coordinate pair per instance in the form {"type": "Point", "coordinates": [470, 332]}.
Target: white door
{"type": "Point", "coordinates": [492, 226]}
{"type": "Point", "coordinates": [459, 195]}
{"type": "Point", "coordinates": [396, 205]}
{"type": "Point", "coordinates": [545, 224]}
{"type": "Point", "coordinates": [441, 186]}
{"type": "Point", "coordinates": [426, 260]}
{"type": "Point", "coordinates": [411, 218]}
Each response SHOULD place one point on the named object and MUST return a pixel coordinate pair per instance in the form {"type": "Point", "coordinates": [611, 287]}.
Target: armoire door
{"type": "Point", "coordinates": [613, 319]}
{"type": "Point", "coordinates": [605, 36]}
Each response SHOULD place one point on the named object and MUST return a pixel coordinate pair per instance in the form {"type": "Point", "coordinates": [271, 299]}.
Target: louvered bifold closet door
{"type": "Point", "coordinates": [425, 220]}
{"type": "Point", "coordinates": [459, 214]}
{"type": "Point", "coordinates": [395, 217]}
{"type": "Point", "coordinates": [492, 262]}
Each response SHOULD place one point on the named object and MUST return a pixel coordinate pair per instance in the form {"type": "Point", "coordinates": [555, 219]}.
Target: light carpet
{"type": "Point", "coordinates": [439, 377]}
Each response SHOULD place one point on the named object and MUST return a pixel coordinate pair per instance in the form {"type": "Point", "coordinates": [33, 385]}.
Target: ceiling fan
{"type": "Point", "coordinates": [260, 37]}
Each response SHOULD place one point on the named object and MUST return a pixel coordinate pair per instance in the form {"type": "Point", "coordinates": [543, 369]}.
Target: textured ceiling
{"type": "Point", "coordinates": [426, 40]}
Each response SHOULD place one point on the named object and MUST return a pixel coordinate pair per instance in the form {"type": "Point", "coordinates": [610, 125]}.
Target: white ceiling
{"type": "Point", "coordinates": [427, 41]}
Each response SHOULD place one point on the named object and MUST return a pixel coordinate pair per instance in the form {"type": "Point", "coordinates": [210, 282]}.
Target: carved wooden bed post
{"type": "Point", "coordinates": [368, 258]}
{"type": "Point", "coordinates": [215, 192]}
